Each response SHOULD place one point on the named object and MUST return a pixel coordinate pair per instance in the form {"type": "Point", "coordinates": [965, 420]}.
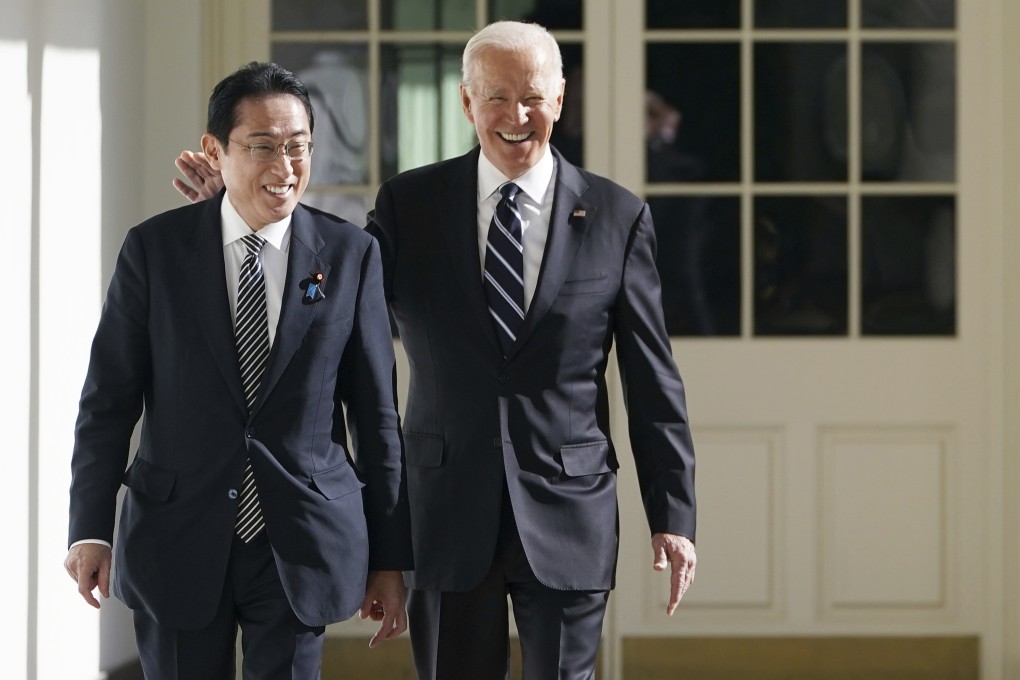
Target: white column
{"type": "Point", "coordinates": [69, 294]}
{"type": "Point", "coordinates": [15, 279]}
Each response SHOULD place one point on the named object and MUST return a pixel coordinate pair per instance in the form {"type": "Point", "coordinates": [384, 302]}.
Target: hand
{"type": "Point", "coordinates": [204, 180]}
{"type": "Point", "coordinates": [89, 566]}
{"type": "Point", "coordinates": [678, 553]}
{"type": "Point", "coordinates": [384, 601]}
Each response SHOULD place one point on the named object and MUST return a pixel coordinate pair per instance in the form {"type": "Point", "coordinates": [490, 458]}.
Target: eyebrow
{"type": "Point", "coordinates": [263, 133]}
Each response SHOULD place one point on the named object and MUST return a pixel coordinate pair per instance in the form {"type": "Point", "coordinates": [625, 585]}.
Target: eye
{"type": "Point", "coordinates": [296, 149]}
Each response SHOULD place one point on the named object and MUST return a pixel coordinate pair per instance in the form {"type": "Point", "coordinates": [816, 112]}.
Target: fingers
{"type": "Point", "coordinates": [371, 608]}
{"type": "Point", "coordinates": [384, 602]}
{"type": "Point", "coordinates": [679, 581]}
{"type": "Point", "coordinates": [85, 585]}
{"type": "Point", "coordinates": [187, 167]}
{"type": "Point", "coordinates": [104, 580]}
{"type": "Point", "coordinates": [87, 579]}
{"type": "Point", "coordinates": [185, 190]}
{"type": "Point", "coordinates": [194, 166]}
{"type": "Point", "coordinates": [660, 558]}
{"type": "Point", "coordinates": [88, 565]}
{"type": "Point", "coordinates": [394, 622]}
{"type": "Point", "coordinates": [202, 181]}
{"type": "Point", "coordinates": [678, 552]}
{"type": "Point", "coordinates": [675, 593]}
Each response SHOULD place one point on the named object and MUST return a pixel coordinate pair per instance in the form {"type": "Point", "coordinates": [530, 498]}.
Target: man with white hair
{"type": "Point", "coordinates": [511, 469]}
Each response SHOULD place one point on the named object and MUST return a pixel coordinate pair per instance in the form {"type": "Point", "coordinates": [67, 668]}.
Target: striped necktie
{"type": "Point", "coordinates": [251, 330]}
{"type": "Point", "coordinates": [504, 267]}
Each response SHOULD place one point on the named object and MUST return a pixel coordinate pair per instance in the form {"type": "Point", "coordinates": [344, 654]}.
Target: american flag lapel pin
{"type": "Point", "coordinates": [579, 213]}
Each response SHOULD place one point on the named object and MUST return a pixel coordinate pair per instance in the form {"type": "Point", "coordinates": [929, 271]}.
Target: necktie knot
{"type": "Point", "coordinates": [509, 191]}
{"type": "Point", "coordinates": [253, 243]}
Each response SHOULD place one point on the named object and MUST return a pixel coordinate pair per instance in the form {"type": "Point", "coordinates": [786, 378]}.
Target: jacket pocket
{"type": "Point", "coordinates": [586, 459]}
{"type": "Point", "coordinates": [592, 284]}
{"type": "Point", "coordinates": [423, 450]}
{"type": "Point", "coordinates": [337, 481]}
{"type": "Point", "coordinates": [150, 480]}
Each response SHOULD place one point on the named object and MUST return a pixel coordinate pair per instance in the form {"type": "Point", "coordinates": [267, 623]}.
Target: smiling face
{"type": "Point", "coordinates": [513, 102]}
{"type": "Point", "coordinates": [263, 192]}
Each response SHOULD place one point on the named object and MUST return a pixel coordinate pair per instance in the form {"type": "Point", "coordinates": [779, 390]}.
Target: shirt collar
{"type": "Point", "coordinates": [534, 183]}
{"type": "Point", "coordinates": [234, 227]}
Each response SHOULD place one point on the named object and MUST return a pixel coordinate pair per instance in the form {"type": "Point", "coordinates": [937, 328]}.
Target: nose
{"type": "Point", "coordinates": [283, 163]}
{"type": "Point", "coordinates": [518, 113]}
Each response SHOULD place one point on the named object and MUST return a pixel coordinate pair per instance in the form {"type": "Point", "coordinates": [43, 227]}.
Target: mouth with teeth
{"type": "Point", "coordinates": [515, 139]}
{"type": "Point", "coordinates": [278, 189]}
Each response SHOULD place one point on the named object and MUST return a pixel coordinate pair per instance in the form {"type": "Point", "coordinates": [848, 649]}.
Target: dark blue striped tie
{"type": "Point", "coordinates": [504, 267]}
{"type": "Point", "coordinates": [251, 329]}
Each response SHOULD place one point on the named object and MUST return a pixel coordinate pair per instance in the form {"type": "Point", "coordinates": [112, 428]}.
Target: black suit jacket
{"type": "Point", "coordinates": [165, 342]}
{"type": "Point", "coordinates": [538, 418]}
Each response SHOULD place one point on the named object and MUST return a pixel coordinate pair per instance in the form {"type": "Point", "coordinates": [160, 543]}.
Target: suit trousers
{"type": "Point", "coordinates": [465, 635]}
{"type": "Point", "coordinates": [274, 643]}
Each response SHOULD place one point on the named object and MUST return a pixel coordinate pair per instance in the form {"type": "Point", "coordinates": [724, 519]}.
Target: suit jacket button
{"type": "Point", "coordinates": [497, 442]}
{"type": "Point", "coordinates": [250, 432]}
{"type": "Point", "coordinates": [232, 494]}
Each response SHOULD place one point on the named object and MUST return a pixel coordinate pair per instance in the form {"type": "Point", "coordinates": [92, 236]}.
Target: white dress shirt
{"type": "Point", "coordinates": [273, 257]}
{"type": "Point", "coordinates": [535, 204]}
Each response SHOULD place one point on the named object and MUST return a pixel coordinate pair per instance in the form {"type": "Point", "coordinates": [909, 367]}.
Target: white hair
{"type": "Point", "coordinates": [512, 36]}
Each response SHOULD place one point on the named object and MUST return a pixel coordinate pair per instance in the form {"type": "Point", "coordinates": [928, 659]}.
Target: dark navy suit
{"type": "Point", "coordinates": [165, 347]}
{"type": "Point", "coordinates": [497, 446]}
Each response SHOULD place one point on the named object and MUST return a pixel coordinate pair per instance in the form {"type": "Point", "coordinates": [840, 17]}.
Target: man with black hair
{"type": "Point", "coordinates": [253, 333]}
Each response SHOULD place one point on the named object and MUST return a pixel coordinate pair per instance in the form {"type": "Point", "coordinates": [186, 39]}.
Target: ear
{"type": "Point", "coordinates": [213, 150]}
{"type": "Point", "coordinates": [465, 103]}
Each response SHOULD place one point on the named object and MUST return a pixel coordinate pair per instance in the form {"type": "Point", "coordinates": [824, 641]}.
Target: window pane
{"type": "Point", "coordinates": [800, 105]}
{"type": "Point", "coordinates": [553, 14]}
{"type": "Point", "coordinates": [422, 121]}
{"type": "Point", "coordinates": [692, 14]}
{"type": "Point", "coordinates": [800, 14]}
{"type": "Point", "coordinates": [908, 262]}
{"type": "Point", "coordinates": [908, 13]}
{"type": "Point", "coordinates": [352, 207]}
{"type": "Point", "coordinates": [800, 265]}
{"type": "Point", "coordinates": [336, 78]}
{"type": "Point", "coordinates": [698, 258]}
{"type": "Point", "coordinates": [692, 106]}
{"type": "Point", "coordinates": [425, 15]}
{"type": "Point", "coordinates": [315, 15]}
{"type": "Point", "coordinates": [908, 112]}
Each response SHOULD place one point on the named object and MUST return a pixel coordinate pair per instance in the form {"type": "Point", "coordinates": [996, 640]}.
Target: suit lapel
{"type": "Point", "coordinates": [295, 317]}
{"type": "Point", "coordinates": [456, 206]}
{"type": "Point", "coordinates": [568, 224]}
{"type": "Point", "coordinates": [205, 275]}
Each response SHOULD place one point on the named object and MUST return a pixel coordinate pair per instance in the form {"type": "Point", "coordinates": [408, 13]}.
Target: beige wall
{"type": "Point", "coordinates": [1010, 180]}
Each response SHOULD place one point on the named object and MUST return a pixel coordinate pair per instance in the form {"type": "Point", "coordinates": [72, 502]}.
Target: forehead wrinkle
{"type": "Point", "coordinates": [535, 84]}
{"type": "Point", "coordinates": [271, 134]}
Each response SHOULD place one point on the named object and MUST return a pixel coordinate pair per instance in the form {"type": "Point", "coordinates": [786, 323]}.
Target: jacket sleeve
{"type": "Point", "coordinates": [112, 397]}
{"type": "Point", "coordinates": [653, 390]}
{"type": "Point", "coordinates": [368, 389]}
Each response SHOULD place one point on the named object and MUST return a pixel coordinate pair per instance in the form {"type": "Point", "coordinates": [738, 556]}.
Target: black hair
{"type": "Point", "coordinates": [254, 79]}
